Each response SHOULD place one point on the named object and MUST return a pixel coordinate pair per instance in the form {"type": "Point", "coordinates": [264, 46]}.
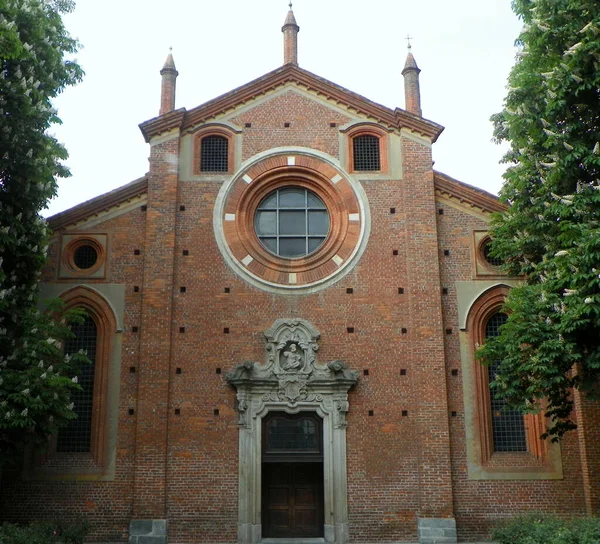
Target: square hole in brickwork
{"type": "Point", "coordinates": [404, 413]}
{"type": "Point", "coordinates": [444, 290]}
{"type": "Point", "coordinates": [182, 208]}
{"type": "Point", "coordinates": [144, 208]}
{"type": "Point", "coordinates": [177, 411]}
{"type": "Point", "coordinates": [134, 329]}
{"type": "Point", "coordinates": [448, 331]}
{"type": "Point", "coordinates": [227, 290]}
{"type": "Point", "coordinates": [226, 330]}
{"type": "Point", "coordinates": [218, 371]}
{"type": "Point", "coordinates": [403, 372]}
{"type": "Point", "coordinates": [350, 330]}
{"type": "Point", "coordinates": [182, 289]}
{"type": "Point", "coordinates": [136, 289]}
{"type": "Point", "coordinates": [454, 372]}
{"type": "Point", "coordinates": [371, 413]}
{"type": "Point", "coordinates": [132, 370]}
{"type": "Point", "coordinates": [131, 411]}
{"type": "Point", "coordinates": [404, 330]}
{"type": "Point", "coordinates": [216, 412]}
{"type": "Point", "coordinates": [349, 290]}
{"type": "Point", "coordinates": [453, 414]}
{"type": "Point", "coordinates": [400, 290]}
{"type": "Point", "coordinates": [333, 125]}
{"type": "Point", "coordinates": [185, 252]}
{"type": "Point", "coordinates": [441, 211]}
{"type": "Point", "coordinates": [178, 370]}
{"type": "Point", "coordinates": [366, 372]}
{"type": "Point", "coordinates": [248, 125]}
{"type": "Point", "coordinates": [446, 252]}
{"type": "Point", "coordinates": [286, 125]}
{"type": "Point", "coordinates": [392, 210]}
{"type": "Point", "coordinates": [181, 329]}
{"type": "Point", "coordinates": [136, 252]}
{"type": "Point", "coordinates": [395, 252]}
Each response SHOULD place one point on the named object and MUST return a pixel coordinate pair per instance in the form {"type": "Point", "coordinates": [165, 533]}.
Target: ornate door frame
{"type": "Point", "coordinates": [292, 381]}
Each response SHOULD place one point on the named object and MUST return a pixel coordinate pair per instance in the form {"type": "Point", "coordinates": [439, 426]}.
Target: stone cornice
{"type": "Point", "coordinates": [467, 194]}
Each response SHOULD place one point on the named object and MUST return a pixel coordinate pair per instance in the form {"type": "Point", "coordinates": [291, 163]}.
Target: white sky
{"type": "Point", "coordinates": [465, 49]}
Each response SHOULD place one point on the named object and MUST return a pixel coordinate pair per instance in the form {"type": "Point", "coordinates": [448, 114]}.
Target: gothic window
{"type": "Point", "coordinates": [292, 222]}
{"type": "Point", "coordinates": [77, 436]}
{"type": "Point", "coordinates": [214, 154]}
{"type": "Point", "coordinates": [508, 429]}
{"type": "Point", "coordinates": [366, 153]}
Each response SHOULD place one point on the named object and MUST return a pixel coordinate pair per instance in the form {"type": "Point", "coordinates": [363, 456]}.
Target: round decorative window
{"type": "Point", "coordinates": [486, 248]}
{"type": "Point", "coordinates": [292, 222]}
{"type": "Point", "coordinates": [85, 257]}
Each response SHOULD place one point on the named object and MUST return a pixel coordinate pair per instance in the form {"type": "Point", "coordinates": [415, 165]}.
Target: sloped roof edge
{"type": "Point", "coordinates": [468, 193]}
{"type": "Point", "coordinates": [398, 118]}
{"type": "Point", "coordinates": [99, 204]}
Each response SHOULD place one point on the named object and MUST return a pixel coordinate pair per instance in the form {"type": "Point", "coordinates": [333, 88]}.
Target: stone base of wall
{"type": "Point", "coordinates": [148, 531]}
{"type": "Point", "coordinates": [437, 531]}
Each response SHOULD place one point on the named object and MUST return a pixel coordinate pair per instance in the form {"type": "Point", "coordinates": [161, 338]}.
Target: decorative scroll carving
{"type": "Point", "coordinates": [291, 373]}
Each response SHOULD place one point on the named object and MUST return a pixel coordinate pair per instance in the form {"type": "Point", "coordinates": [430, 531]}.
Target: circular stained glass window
{"type": "Point", "coordinates": [292, 222]}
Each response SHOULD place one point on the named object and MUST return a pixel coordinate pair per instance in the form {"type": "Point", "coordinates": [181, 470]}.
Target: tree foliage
{"type": "Point", "coordinates": [33, 71]}
{"type": "Point", "coordinates": [550, 234]}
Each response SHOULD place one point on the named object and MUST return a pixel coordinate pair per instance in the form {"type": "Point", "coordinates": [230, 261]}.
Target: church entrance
{"type": "Point", "coordinates": [292, 476]}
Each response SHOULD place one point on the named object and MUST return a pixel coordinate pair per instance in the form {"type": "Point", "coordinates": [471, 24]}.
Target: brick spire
{"type": "Point", "coordinates": [290, 31]}
{"type": "Point", "coordinates": [412, 91]}
{"type": "Point", "coordinates": [169, 77]}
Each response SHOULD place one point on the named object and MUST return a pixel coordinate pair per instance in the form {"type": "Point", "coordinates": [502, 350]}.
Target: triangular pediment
{"type": "Point", "coordinates": [358, 105]}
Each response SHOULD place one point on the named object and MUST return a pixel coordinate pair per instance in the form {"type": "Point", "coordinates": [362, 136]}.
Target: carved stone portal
{"type": "Point", "coordinates": [292, 380]}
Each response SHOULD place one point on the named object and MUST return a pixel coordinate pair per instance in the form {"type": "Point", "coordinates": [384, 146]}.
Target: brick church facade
{"type": "Point", "coordinates": [282, 315]}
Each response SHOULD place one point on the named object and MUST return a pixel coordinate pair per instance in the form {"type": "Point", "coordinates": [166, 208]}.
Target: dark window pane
{"type": "Point", "coordinates": [292, 198]}
{"type": "Point", "coordinates": [292, 247]}
{"type": "Point", "coordinates": [366, 153]}
{"type": "Point", "coordinates": [315, 202]}
{"type": "Point", "coordinates": [494, 261]}
{"type": "Point", "coordinates": [266, 223]}
{"type": "Point", "coordinates": [318, 222]}
{"type": "Point", "coordinates": [292, 222]}
{"type": "Point", "coordinates": [270, 244]}
{"type": "Point", "coordinates": [269, 202]}
{"type": "Point", "coordinates": [314, 244]}
{"type": "Point", "coordinates": [85, 257]}
{"type": "Point", "coordinates": [214, 151]}
{"type": "Point", "coordinates": [508, 428]}
{"type": "Point", "coordinates": [76, 437]}
{"type": "Point", "coordinates": [292, 434]}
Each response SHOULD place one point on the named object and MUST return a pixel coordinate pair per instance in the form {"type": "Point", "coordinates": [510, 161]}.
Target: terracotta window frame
{"type": "Point", "coordinates": [95, 460]}
{"type": "Point", "coordinates": [205, 132]}
{"type": "Point", "coordinates": [487, 305]}
{"type": "Point", "coordinates": [368, 130]}
{"type": "Point", "coordinates": [68, 256]}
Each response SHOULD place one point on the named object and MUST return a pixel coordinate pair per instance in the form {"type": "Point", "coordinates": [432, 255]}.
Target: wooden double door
{"type": "Point", "coordinates": [292, 476]}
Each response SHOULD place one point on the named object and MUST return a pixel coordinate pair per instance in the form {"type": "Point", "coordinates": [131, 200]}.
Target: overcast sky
{"type": "Point", "coordinates": [465, 49]}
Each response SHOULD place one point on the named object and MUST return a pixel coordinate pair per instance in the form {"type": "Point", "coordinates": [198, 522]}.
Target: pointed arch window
{"type": "Point", "coordinates": [77, 436]}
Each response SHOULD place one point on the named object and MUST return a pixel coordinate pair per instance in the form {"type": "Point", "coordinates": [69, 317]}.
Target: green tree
{"type": "Point", "coordinates": [550, 234]}
{"type": "Point", "coordinates": [35, 383]}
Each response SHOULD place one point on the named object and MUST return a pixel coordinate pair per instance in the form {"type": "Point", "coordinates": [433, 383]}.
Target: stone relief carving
{"type": "Point", "coordinates": [292, 374]}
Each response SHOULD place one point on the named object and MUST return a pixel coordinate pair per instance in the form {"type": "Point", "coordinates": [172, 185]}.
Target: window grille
{"type": "Point", "coordinates": [366, 153]}
{"type": "Point", "coordinates": [292, 222]}
{"type": "Point", "coordinates": [85, 257]}
{"type": "Point", "coordinates": [508, 428]}
{"type": "Point", "coordinates": [76, 437]}
{"type": "Point", "coordinates": [214, 154]}
{"type": "Point", "coordinates": [494, 261]}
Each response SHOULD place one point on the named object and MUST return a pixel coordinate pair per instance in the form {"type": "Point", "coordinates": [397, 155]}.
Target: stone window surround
{"type": "Point", "coordinates": [322, 389]}
{"type": "Point", "coordinates": [213, 130]}
{"type": "Point", "coordinates": [368, 129]}
{"type": "Point", "coordinates": [71, 242]}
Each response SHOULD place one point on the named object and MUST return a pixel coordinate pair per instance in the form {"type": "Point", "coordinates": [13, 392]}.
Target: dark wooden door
{"type": "Point", "coordinates": [292, 500]}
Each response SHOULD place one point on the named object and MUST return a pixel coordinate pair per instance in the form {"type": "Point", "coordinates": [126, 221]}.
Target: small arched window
{"type": "Point", "coordinates": [77, 436]}
{"type": "Point", "coordinates": [366, 153]}
{"type": "Point", "coordinates": [508, 428]}
{"type": "Point", "coordinates": [214, 154]}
